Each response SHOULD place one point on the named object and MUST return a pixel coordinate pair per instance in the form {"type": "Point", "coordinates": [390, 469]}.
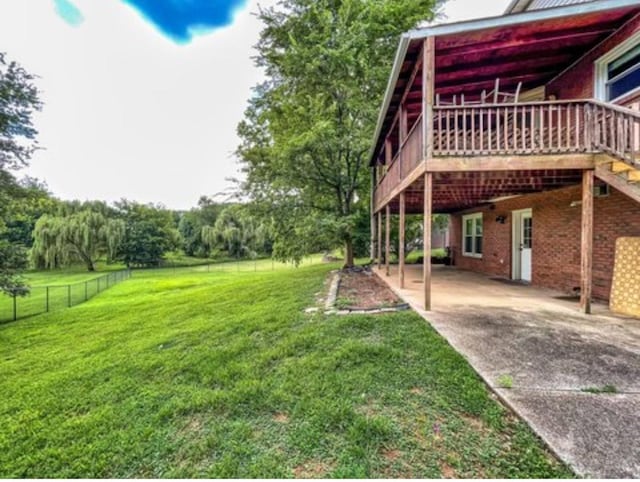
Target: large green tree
{"type": "Point", "coordinates": [19, 99]}
{"type": "Point", "coordinates": [308, 130]}
{"type": "Point", "coordinates": [191, 226]}
{"type": "Point", "coordinates": [148, 234]}
{"type": "Point", "coordinates": [238, 232]}
{"type": "Point", "coordinates": [84, 237]}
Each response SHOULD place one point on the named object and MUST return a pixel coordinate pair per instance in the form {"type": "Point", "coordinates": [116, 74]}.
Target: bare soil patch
{"type": "Point", "coordinates": [313, 469]}
{"type": "Point", "coordinates": [362, 290]}
{"type": "Point", "coordinates": [281, 417]}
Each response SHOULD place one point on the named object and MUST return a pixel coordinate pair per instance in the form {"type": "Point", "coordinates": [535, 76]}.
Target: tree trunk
{"type": "Point", "coordinates": [90, 265]}
{"type": "Point", "coordinates": [348, 253]}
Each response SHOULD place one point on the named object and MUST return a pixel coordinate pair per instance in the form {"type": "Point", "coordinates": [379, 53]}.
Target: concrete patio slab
{"type": "Point", "coordinates": [552, 353]}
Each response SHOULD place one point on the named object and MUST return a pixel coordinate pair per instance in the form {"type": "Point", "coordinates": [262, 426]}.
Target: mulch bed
{"type": "Point", "coordinates": [362, 290]}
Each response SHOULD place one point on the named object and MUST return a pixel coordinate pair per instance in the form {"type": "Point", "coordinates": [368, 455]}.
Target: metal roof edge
{"type": "Point", "coordinates": [523, 17]}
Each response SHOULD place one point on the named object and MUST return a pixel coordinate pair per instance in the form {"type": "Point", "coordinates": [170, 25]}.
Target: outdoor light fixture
{"type": "Point", "coordinates": [501, 219]}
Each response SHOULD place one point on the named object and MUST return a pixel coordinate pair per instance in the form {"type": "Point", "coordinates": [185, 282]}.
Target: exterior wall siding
{"type": "Point", "coordinates": [578, 81]}
{"type": "Point", "coordinates": [556, 238]}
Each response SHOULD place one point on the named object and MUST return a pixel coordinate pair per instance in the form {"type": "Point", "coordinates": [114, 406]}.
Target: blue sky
{"type": "Point", "coordinates": [142, 97]}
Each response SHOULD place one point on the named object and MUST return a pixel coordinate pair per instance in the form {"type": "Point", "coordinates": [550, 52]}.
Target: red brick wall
{"type": "Point", "coordinates": [556, 238]}
{"type": "Point", "coordinates": [578, 81]}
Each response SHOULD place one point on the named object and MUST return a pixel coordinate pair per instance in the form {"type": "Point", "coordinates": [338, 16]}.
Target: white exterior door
{"type": "Point", "coordinates": [522, 244]}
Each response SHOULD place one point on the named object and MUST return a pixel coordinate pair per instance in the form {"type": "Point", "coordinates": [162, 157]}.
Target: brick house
{"type": "Point", "coordinates": [525, 128]}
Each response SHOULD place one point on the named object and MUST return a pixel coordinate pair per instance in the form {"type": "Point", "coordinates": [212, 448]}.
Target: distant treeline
{"type": "Point", "coordinates": [58, 233]}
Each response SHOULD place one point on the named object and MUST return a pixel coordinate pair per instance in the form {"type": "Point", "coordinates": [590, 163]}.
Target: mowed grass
{"type": "Point", "coordinates": [195, 374]}
{"type": "Point", "coordinates": [74, 285]}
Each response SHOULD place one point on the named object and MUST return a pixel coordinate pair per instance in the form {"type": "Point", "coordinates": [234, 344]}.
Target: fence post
{"type": "Point", "coordinates": [15, 305]}
{"type": "Point", "coordinates": [86, 290]}
{"type": "Point", "coordinates": [98, 283]}
{"type": "Point", "coordinates": [107, 281]}
{"type": "Point", "coordinates": [69, 296]}
{"type": "Point", "coordinates": [47, 305]}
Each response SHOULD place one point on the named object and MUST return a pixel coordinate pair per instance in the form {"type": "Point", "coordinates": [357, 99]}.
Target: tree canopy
{"type": "Point", "coordinates": [308, 130]}
{"type": "Point", "coordinates": [19, 99]}
{"type": "Point", "coordinates": [83, 236]}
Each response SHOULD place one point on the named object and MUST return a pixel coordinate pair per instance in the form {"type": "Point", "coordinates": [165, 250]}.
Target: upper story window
{"type": "Point", "coordinates": [618, 71]}
{"type": "Point", "coordinates": [623, 74]}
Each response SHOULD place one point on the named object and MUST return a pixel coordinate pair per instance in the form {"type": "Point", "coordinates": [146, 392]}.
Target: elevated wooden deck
{"type": "Point", "coordinates": [514, 148]}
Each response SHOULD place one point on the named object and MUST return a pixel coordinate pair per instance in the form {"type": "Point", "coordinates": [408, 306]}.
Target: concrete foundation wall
{"type": "Point", "coordinates": [556, 238]}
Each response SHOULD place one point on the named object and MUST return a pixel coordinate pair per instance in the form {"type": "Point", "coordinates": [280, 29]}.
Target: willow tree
{"type": "Point", "coordinates": [81, 237]}
{"type": "Point", "coordinates": [308, 130]}
{"type": "Point", "coordinates": [236, 232]}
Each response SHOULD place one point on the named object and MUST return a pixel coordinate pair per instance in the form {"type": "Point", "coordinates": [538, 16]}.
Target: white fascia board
{"type": "Point", "coordinates": [395, 73]}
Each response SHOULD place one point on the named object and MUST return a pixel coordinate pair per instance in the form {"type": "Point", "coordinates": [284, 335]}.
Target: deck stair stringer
{"type": "Point", "coordinates": [620, 175]}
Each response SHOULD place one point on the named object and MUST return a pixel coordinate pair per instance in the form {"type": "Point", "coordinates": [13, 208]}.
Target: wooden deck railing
{"type": "Point", "coordinates": [616, 131]}
{"type": "Point", "coordinates": [498, 129]}
{"type": "Point", "coordinates": [553, 127]}
{"type": "Point", "coordinates": [405, 161]}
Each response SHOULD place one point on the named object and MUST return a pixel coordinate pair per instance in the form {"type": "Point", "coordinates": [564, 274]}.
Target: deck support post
{"type": "Point", "coordinates": [387, 236]}
{"type": "Point", "coordinates": [586, 244]}
{"type": "Point", "coordinates": [379, 239]}
{"type": "Point", "coordinates": [426, 258]}
{"type": "Point", "coordinates": [401, 241]}
{"type": "Point", "coordinates": [428, 87]}
{"type": "Point", "coordinates": [372, 208]}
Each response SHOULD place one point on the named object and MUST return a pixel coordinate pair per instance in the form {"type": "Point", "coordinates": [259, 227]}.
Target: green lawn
{"type": "Point", "coordinates": [222, 374]}
{"type": "Point", "coordinates": [85, 284]}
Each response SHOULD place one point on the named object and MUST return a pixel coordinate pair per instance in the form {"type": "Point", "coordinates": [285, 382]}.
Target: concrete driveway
{"type": "Point", "coordinates": [552, 354]}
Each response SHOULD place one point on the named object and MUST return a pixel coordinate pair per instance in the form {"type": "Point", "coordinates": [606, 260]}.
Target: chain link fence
{"type": "Point", "coordinates": [43, 299]}
{"type": "Point", "coordinates": [241, 265]}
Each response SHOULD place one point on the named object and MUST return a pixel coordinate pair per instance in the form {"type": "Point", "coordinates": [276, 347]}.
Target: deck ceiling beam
{"type": "Point", "coordinates": [508, 163]}
{"type": "Point", "coordinates": [487, 83]}
{"type": "Point", "coordinates": [511, 69]}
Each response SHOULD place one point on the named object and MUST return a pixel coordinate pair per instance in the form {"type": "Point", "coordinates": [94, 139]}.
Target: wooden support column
{"type": "Point", "coordinates": [428, 98]}
{"type": "Point", "coordinates": [428, 95]}
{"type": "Point", "coordinates": [402, 135]}
{"type": "Point", "coordinates": [586, 244]}
{"type": "Point", "coordinates": [372, 208]}
{"type": "Point", "coordinates": [379, 239]}
{"type": "Point", "coordinates": [401, 241]}
{"type": "Point", "coordinates": [387, 236]}
{"type": "Point", "coordinates": [426, 266]}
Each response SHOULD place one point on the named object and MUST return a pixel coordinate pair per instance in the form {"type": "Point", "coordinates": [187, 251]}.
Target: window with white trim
{"type": "Point", "coordinates": [472, 235]}
{"type": "Point", "coordinates": [618, 71]}
{"type": "Point", "coordinates": [623, 74]}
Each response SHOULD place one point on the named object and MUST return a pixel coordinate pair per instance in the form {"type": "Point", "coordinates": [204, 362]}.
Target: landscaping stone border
{"type": "Point", "coordinates": [332, 297]}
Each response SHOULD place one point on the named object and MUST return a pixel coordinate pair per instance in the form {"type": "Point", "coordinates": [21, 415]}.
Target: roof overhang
{"type": "Point", "coordinates": [471, 54]}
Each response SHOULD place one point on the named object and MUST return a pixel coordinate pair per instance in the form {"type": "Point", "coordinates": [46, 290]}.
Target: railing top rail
{"type": "Point", "coordinates": [613, 107]}
{"type": "Point", "coordinates": [519, 104]}
{"type": "Point", "coordinates": [616, 108]}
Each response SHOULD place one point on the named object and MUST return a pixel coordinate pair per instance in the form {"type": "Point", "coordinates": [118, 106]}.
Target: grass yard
{"type": "Point", "coordinates": [222, 374]}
